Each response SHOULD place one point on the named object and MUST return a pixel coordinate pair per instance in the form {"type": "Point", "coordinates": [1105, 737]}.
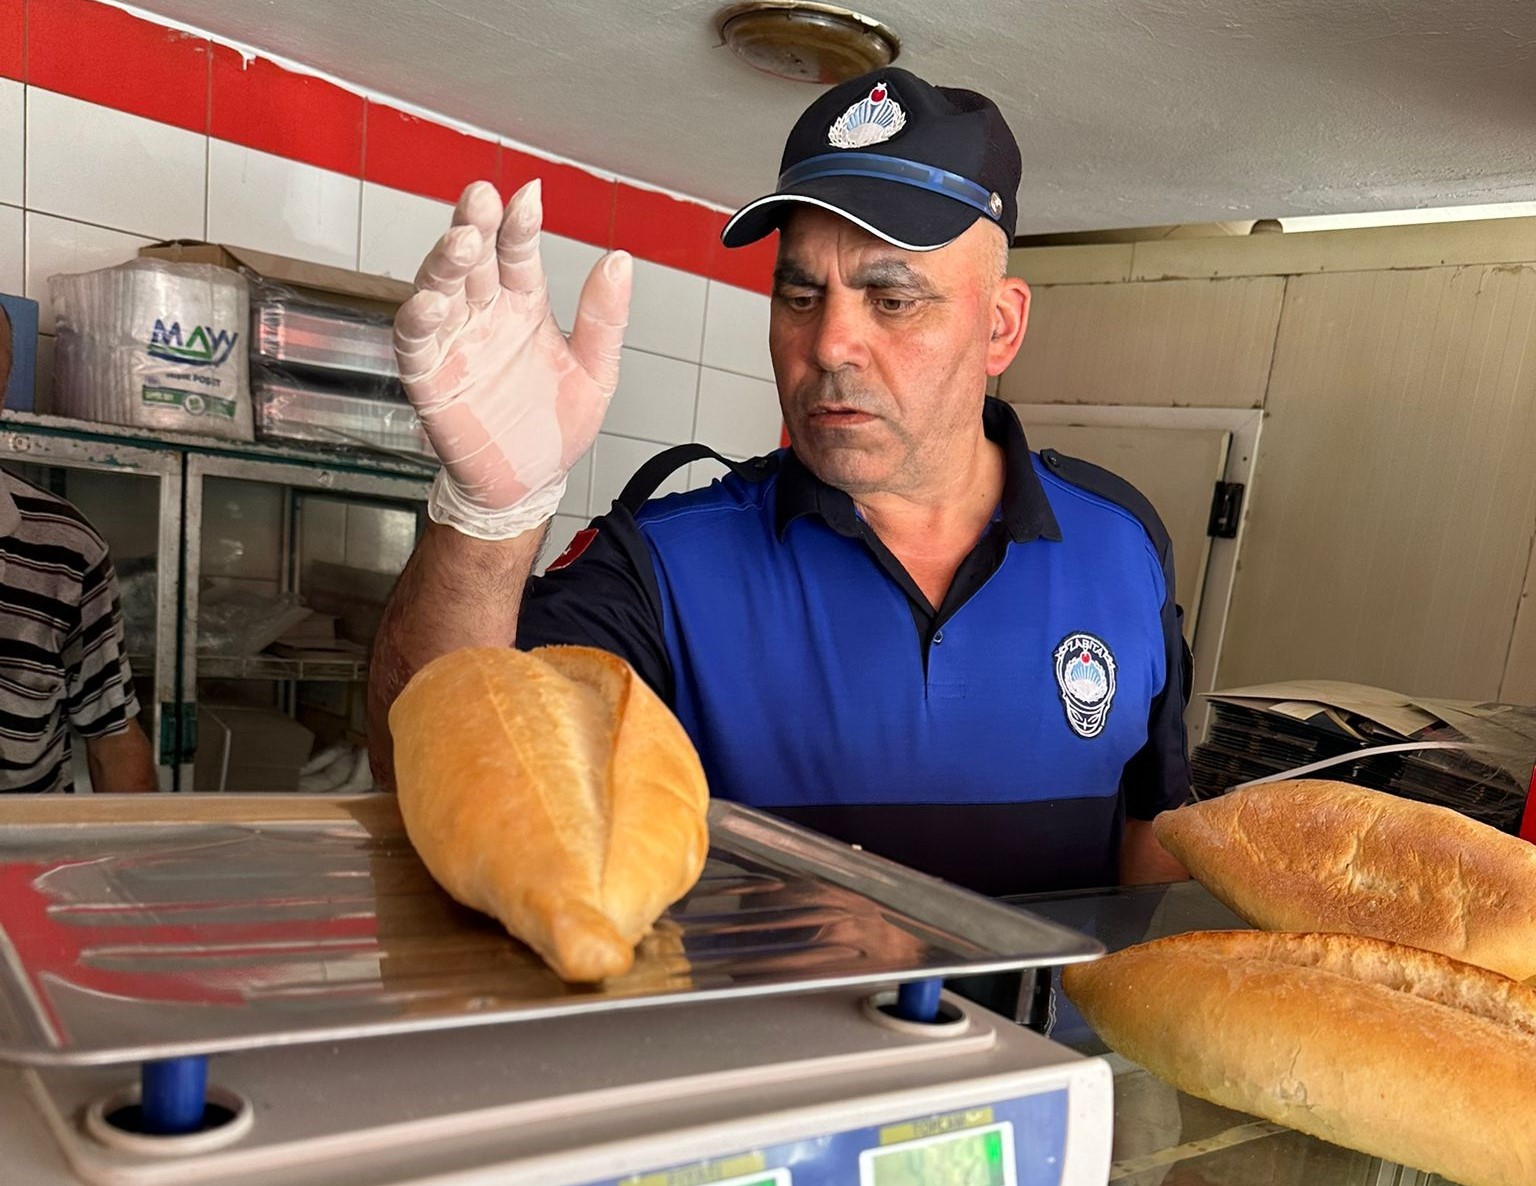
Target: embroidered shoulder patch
{"type": "Point", "coordinates": [580, 542]}
{"type": "Point", "coordinates": [1085, 675]}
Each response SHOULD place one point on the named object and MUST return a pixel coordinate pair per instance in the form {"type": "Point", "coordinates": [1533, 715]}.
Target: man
{"type": "Point", "coordinates": [903, 631]}
{"type": "Point", "coordinates": [62, 658]}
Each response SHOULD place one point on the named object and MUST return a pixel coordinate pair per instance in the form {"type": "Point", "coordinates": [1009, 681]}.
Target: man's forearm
{"type": "Point", "coordinates": [1144, 860]}
{"type": "Point", "coordinates": [122, 761]}
{"type": "Point", "coordinates": [457, 591]}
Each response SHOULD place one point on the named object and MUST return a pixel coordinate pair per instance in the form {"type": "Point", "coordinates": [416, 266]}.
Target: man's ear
{"type": "Point", "coordinates": [1010, 316]}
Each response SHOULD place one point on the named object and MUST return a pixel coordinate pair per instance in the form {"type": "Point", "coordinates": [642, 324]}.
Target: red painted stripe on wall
{"type": "Point", "coordinates": [664, 230]}
{"type": "Point", "coordinates": [103, 55]}
{"type": "Point", "coordinates": [262, 106]}
{"type": "Point", "coordinates": [577, 204]}
{"type": "Point", "coordinates": [746, 267]}
{"type": "Point", "coordinates": [421, 157]}
{"type": "Point", "coordinates": [12, 23]}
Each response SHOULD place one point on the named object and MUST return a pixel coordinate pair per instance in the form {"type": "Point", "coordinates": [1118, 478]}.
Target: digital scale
{"type": "Point", "coordinates": [781, 1027]}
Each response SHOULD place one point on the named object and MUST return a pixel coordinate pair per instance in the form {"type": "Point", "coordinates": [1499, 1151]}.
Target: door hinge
{"type": "Point", "coordinates": [1226, 510]}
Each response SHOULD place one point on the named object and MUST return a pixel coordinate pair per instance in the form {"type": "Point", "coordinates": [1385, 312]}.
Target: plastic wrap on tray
{"type": "Point", "coordinates": [294, 409]}
{"type": "Point", "coordinates": [155, 345]}
{"type": "Point", "coordinates": [299, 334]}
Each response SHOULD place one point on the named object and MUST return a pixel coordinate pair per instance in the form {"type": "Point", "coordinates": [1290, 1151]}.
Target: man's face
{"type": "Point", "coordinates": [881, 355]}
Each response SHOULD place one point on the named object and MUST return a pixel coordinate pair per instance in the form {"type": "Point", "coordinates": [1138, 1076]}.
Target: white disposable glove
{"type": "Point", "coordinates": [509, 402]}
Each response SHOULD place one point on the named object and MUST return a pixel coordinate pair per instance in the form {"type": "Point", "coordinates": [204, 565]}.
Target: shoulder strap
{"type": "Point", "coordinates": [638, 490]}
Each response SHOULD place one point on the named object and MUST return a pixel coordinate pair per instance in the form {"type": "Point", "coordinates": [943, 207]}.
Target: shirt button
{"type": "Point", "coordinates": [938, 637]}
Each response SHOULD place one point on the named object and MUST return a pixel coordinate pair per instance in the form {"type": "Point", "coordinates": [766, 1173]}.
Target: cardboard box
{"type": "Point", "coordinates": [248, 749]}
{"type": "Point", "coordinates": [20, 393]}
{"type": "Point", "coordinates": [357, 290]}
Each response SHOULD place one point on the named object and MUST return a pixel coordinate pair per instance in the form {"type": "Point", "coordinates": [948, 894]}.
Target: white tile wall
{"type": "Point", "coordinates": [241, 530]}
{"type": "Point", "coordinates": [666, 313]}
{"type": "Point", "coordinates": [259, 200]}
{"type": "Point", "coordinates": [142, 176]}
{"type": "Point", "coordinates": [379, 539]}
{"type": "Point", "coordinates": [59, 245]}
{"type": "Point", "coordinates": [323, 527]}
{"type": "Point", "coordinates": [738, 415]}
{"type": "Point", "coordinates": [12, 139]}
{"type": "Point", "coordinates": [578, 490]}
{"type": "Point", "coordinates": [83, 187]}
{"type": "Point", "coordinates": [614, 462]}
{"type": "Point", "coordinates": [736, 331]}
{"type": "Point", "coordinates": [12, 240]}
{"type": "Point", "coordinates": [566, 265]}
{"type": "Point", "coordinates": [655, 398]}
{"type": "Point", "coordinates": [702, 473]}
{"type": "Point", "coordinates": [398, 229]}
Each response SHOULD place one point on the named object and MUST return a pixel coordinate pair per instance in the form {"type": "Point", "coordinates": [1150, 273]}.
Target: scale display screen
{"type": "Point", "coordinates": [975, 1157]}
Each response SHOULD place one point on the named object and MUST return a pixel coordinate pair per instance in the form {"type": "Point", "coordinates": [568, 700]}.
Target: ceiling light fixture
{"type": "Point", "coordinates": [806, 42]}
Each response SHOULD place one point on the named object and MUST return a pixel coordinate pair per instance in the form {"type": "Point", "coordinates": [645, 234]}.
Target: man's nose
{"type": "Point", "coordinates": [840, 333]}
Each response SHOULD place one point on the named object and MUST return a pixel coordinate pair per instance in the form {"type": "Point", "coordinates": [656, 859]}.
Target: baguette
{"type": "Point", "coordinates": [1400, 1053]}
{"type": "Point", "coordinates": [1313, 855]}
{"type": "Point", "coordinates": [553, 790]}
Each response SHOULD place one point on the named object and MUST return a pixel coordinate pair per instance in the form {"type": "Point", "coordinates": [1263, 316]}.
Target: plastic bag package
{"type": "Point", "coordinates": [155, 345]}
{"type": "Point", "coordinates": [240, 622]}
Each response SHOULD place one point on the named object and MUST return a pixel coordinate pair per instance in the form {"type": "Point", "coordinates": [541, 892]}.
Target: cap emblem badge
{"type": "Point", "coordinates": [871, 120]}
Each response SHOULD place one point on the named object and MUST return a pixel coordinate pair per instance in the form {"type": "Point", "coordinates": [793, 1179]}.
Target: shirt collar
{"type": "Point", "coordinates": [1025, 510]}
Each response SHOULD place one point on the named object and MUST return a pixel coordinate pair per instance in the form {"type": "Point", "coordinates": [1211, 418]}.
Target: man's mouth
{"type": "Point", "coordinates": [832, 416]}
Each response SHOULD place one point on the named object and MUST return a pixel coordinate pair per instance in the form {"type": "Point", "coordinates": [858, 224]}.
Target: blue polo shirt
{"type": "Point", "coordinates": [997, 740]}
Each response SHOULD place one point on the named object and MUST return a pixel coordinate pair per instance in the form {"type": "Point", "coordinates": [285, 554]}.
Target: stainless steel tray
{"type": "Point", "coordinates": [137, 927]}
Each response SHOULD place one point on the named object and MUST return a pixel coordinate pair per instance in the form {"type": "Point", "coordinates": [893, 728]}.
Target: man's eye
{"type": "Point", "coordinates": [798, 302]}
{"type": "Point", "coordinates": [895, 304]}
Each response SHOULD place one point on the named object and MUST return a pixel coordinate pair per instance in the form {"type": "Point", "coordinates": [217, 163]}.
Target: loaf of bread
{"type": "Point", "coordinates": [553, 790]}
{"type": "Point", "coordinates": [1326, 856]}
{"type": "Point", "coordinates": [1394, 1051]}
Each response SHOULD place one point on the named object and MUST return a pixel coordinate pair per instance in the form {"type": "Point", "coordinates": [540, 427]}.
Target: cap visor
{"type": "Point", "coordinates": [902, 215]}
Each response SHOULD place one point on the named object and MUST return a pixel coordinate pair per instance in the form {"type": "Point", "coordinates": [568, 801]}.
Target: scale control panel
{"type": "Point", "coordinates": [1016, 1142]}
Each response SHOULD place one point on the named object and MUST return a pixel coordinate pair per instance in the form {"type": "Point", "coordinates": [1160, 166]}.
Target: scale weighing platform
{"type": "Point", "coordinates": [783, 1025]}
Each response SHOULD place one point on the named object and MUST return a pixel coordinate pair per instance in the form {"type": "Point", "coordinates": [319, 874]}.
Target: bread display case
{"type": "Point", "coordinates": [1163, 1137]}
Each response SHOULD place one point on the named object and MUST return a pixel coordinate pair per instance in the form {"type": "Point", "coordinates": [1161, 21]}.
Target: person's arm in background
{"type": "Point", "coordinates": [1158, 777]}
{"type": "Point", "coordinates": [121, 761]}
{"type": "Point", "coordinates": [1143, 859]}
{"type": "Point", "coordinates": [510, 404]}
{"type": "Point", "coordinates": [100, 703]}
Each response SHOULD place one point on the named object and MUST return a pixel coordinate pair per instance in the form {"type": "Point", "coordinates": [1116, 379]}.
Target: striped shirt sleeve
{"type": "Point", "coordinates": [99, 696]}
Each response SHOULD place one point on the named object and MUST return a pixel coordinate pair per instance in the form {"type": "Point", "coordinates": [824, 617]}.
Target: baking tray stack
{"type": "Point", "coordinates": [326, 374]}
{"type": "Point", "coordinates": [1247, 743]}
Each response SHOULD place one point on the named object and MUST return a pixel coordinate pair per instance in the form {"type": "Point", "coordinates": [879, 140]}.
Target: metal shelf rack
{"type": "Point", "coordinates": [182, 463]}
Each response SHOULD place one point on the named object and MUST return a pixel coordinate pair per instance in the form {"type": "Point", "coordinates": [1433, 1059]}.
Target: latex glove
{"type": "Point", "coordinates": [508, 401]}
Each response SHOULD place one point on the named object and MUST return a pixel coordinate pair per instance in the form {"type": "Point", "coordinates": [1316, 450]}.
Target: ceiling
{"type": "Point", "coordinates": [1129, 112]}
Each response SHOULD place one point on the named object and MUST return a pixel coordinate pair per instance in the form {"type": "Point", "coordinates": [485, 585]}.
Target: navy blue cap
{"type": "Point", "coordinates": [910, 162]}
